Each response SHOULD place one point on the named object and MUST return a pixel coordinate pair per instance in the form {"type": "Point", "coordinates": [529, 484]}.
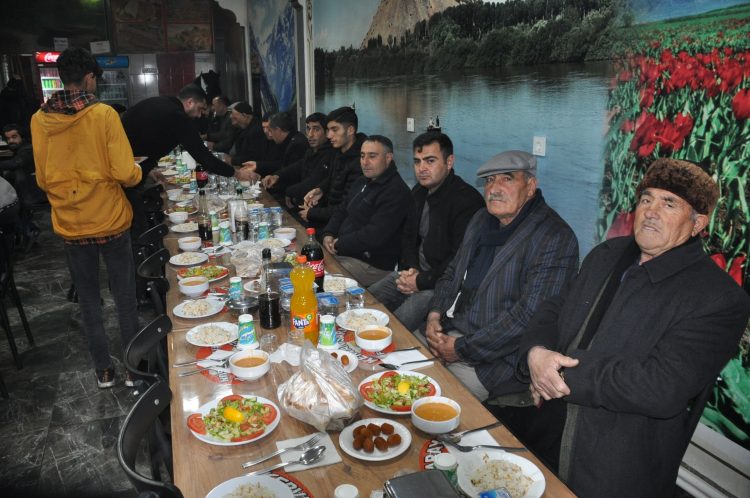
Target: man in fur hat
{"type": "Point", "coordinates": [622, 362]}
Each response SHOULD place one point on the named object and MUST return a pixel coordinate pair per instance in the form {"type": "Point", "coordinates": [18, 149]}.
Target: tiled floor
{"type": "Point", "coordinates": [58, 430]}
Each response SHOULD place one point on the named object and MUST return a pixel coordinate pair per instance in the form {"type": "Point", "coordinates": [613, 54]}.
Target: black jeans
{"type": "Point", "coordinates": [83, 262]}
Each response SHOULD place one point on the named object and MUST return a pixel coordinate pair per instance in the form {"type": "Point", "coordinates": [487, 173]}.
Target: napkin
{"type": "Point", "coordinates": [220, 354]}
{"type": "Point", "coordinates": [213, 365]}
{"type": "Point", "coordinates": [287, 352]}
{"type": "Point", "coordinates": [188, 160]}
{"type": "Point", "coordinates": [481, 437]}
{"type": "Point", "coordinates": [330, 456]}
{"type": "Point", "coordinates": [400, 357]}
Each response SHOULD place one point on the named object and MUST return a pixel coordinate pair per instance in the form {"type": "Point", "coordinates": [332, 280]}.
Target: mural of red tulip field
{"type": "Point", "coordinates": [682, 90]}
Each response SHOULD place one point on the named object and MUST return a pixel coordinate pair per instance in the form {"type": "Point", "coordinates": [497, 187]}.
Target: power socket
{"type": "Point", "coordinates": [540, 146]}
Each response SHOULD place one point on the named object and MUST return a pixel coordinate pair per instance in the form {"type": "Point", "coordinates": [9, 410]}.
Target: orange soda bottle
{"type": "Point", "coordinates": [304, 304]}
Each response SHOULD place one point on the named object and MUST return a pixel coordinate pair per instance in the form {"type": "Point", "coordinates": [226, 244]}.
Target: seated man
{"type": "Point", "coordinates": [295, 180]}
{"type": "Point", "coordinates": [623, 357]}
{"type": "Point", "coordinates": [250, 142]}
{"type": "Point", "coordinates": [321, 201]}
{"type": "Point", "coordinates": [291, 143]}
{"type": "Point", "coordinates": [515, 254]}
{"type": "Point", "coordinates": [444, 205]}
{"type": "Point", "coordinates": [365, 230]}
{"type": "Point", "coordinates": [19, 171]}
{"type": "Point", "coordinates": [220, 133]}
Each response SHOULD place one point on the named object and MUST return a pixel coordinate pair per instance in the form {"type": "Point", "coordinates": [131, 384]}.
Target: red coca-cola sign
{"type": "Point", "coordinates": [46, 57]}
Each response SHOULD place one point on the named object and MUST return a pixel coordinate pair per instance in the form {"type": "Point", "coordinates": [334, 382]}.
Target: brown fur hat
{"type": "Point", "coordinates": [682, 178]}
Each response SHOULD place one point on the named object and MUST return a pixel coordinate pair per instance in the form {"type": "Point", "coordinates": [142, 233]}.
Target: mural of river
{"type": "Point", "coordinates": [489, 112]}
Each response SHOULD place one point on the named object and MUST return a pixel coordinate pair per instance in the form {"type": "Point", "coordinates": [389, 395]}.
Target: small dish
{"type": "Point", "coordinates": [373, 338]}
{"type": "Point", "coordinates": [433, 425]}
{"type": "Point", "coordinates": [189, 243]}
{"type": "Point", "coordinates": [178, 217]}
{"type": "Point", "coordinates": [251, 372]}
{"type": "Point", "coordinates": [193, 286]}
{"type": "Point", "coordinates": [346, 440]}
{"type": "Point", "coordinates": [287, 233]}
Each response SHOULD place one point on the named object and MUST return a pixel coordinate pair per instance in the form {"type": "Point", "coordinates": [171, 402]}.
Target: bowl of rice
{"type": "Point", "coordinates": [494, 469]}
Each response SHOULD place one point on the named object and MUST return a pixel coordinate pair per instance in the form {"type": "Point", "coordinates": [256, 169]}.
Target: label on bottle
{"type": "Point", "coordinates": [201, 176]}
{"type": "Point", "coordinates": [302, 321]}
{"type": "Point", "coordinates": [319, 267]}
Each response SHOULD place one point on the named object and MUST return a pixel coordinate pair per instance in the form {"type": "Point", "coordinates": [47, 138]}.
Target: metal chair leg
{"type": "Point", "coordinates": [17, 301]}
{"type": "Point", "coordinates": [5, 322]}
{"type": "Point", "coordinates": [3, 389]}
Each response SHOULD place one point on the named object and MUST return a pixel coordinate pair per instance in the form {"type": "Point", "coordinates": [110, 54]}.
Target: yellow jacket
{"type": "Point", "coordinates": [82, 162]}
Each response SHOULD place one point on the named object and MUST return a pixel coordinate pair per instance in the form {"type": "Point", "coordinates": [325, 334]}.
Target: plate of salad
{"type": "Point", "coordinates": [393, 392]}
{"type": "Point", "coordinates": [211, 272]}
{"type": "Point", "coordinates": [234, 420]}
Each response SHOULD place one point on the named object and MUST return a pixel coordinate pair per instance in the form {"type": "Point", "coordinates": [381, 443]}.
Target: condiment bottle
{"type": "Point", "coordinates": [448, 465]}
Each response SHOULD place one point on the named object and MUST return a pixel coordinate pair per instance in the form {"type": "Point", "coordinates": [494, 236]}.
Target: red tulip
{"type": "Point", "coordinates": [741, 104]}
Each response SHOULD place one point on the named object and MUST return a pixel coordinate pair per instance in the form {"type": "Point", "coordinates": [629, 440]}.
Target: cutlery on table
{"type": "Point", "coordinates": [194, 362]}
{"type": "Point", "coordinates": [390, 366]}
{"type": "Point", "coordinates": [466, 449]}
{"type": "Point", "coordinates": [404, 349]}
{"type": "Point", "coordinates": [219, 364]}
{"type": "Point", "coordinates": [307, 458]}
{"type": "Point", "coordinates": [455, 437]}
{"type": "Point", "coordinates": [310, 443]}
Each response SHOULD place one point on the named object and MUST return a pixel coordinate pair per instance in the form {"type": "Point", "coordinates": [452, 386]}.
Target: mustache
{"type": "Point", "coordinates": [495, 197]}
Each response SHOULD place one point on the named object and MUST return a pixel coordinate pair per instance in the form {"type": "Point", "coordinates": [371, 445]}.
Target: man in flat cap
{"type": "Point", "coordinates": [250, 141]}
{"type": "Point", "coordinates": [515, 253]}
{"type": "Point", "coordinates": [623, 361]}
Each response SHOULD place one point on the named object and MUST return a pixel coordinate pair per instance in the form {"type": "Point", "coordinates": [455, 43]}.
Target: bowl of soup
{"type": "Point", "coordinates": [189, 243]}
{"type": "Point", "coordinates": [250, 364]}
{"type": "Point", "coordinates": [435, 414]}
{"type": "Point", "coordinates": [373, 338]}
{"type": "Point", "coordinates": [178, 217]}
{"type": "Point", "coordinates": [193, 286]}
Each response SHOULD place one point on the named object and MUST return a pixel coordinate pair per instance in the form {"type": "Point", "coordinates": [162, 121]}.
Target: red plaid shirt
{"type": "Point", "coordinates": [93, 240]}
{"type": "Point", "coordinates": [69, 102]}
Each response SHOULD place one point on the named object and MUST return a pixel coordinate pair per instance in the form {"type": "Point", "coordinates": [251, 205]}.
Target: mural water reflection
{"type": "Point", "coordinates": [488, 112]}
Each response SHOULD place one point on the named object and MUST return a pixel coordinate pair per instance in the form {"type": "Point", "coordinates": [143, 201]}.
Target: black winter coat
{"type": "Point", "coordinates": [305, 174]}
{"type": "Point", "coordinates": [250, 144]}
{"type": "Point", "coordinates": [292, 149]}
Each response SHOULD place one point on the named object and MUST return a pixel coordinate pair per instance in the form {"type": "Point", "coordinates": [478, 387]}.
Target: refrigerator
{"type": "Point", "coordinates": [50, 79]}
{"type": "Point", "coordinates": [113, 86]}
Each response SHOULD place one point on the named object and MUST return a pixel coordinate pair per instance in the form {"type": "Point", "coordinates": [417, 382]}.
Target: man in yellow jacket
{"type": "Point", "coordinates": [83, 160]}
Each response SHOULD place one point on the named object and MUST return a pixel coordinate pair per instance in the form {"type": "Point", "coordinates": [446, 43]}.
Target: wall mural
{"type": "Point", "coordinates": [611, 88]}
{"type": "Point", "coordinates": [272, 41]}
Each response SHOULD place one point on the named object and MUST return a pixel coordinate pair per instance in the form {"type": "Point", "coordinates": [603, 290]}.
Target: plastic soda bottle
{"type": "Point", "coordinates": [304, 305]}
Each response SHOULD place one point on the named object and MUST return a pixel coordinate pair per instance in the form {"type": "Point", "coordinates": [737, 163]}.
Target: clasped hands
{"type": "Point", "coordinates": [442, 345]}
{"type": "Point", "coordinates": [247, 172]}
{"type": "Point", "coordinates": [311, 200]}
{"type": "Point", "coordinates": [546, 369]}
{"type": "Point", "coordinates": [406, 283]}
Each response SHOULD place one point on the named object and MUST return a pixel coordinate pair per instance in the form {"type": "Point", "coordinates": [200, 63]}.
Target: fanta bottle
{"type": "Point", "coordinates": [304, 305]}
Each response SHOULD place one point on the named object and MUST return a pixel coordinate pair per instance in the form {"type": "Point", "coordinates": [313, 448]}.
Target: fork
{"type": "Point", "coordinates": [300, 447]}
{"type": "Point", "coordinates": [391, 366]}
{"type": "Point", "coordinates": [466, 449]}
{"type": "Point", "coordinates": [220, 364]}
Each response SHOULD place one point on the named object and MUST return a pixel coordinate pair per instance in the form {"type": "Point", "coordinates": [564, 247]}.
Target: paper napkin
{"type": "Point", "coordinates": [330, 456]}
{"type": "Point", "coordinates": [400, 357]}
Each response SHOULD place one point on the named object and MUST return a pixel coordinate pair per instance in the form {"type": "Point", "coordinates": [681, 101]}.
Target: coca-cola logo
{"type": "Point", "coordinates": [47, 56]}
{"type": "Point", "coordinates": [318, 267]}
{"type": "Point", "coordinates": [201, 175]}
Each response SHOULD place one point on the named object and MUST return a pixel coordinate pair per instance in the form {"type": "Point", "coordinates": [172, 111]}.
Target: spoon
{"type": "Point", "coordinates": [307, 458]}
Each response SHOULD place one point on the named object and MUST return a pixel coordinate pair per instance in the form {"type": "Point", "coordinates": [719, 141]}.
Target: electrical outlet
{"type": "Point", "coordinates": [540, 146]}
{"type": "Point", "coordinates": [410, 125]}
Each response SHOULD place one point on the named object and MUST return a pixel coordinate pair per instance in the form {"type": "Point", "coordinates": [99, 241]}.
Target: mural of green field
{"type": "Point", "coordinates": [683, 91]}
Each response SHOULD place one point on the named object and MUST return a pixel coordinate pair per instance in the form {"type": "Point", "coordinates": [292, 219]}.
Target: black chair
{"type": "Point", "coordinates": [153, 205]}
{"type": "Point", "coordinates": [8, 289]}
{"type": "Point", "coordinates": [3, 389]}
{"type": "Point", "coordinates": [147, 244]}
{"type": "Point", "coordinates": [145, 350]}
{"type": "Point", "coordinates": [151, 271]}
{"type": "Point", "coordinates": [143, 423]}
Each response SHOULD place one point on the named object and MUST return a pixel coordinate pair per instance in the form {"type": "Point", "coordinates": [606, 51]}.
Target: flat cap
{"type": "Point", "coordinates": [505, 162]}
{"type": "Point", "coordinates": [242, 107]}
{"type": "Point", "coordinates": [684, 179]}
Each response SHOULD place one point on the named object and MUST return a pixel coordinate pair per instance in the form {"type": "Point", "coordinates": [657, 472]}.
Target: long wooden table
{"type": "Point", "coordinates": [198, 467]}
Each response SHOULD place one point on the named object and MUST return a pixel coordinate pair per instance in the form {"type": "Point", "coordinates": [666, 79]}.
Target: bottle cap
{"type": "Point", "coordinates": [346, 491]}
{"type": "Point", "coordinates": [266, 253]}
{"type": "Point", "coordinates": [445, 461]}
{"type": "Point", "coordinates": [310, 231]}
{"type": "Point", "coordinates": [301, 259]}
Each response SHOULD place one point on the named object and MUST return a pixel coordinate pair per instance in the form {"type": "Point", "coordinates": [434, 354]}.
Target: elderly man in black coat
{"type": "Point", "coordinates": [621, 363]}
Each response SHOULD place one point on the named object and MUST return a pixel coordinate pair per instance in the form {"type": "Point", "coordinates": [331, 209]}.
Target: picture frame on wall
{"type": "Point", "coordinates": [189, 37]}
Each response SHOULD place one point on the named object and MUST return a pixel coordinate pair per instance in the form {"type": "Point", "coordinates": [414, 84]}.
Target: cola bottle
{"type": "Point", "coordinates": [201, 175]}
{"type": "Point", "coordinates": [315, 258]}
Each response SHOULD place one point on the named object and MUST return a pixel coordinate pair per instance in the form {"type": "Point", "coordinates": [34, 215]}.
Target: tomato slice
{"type": "Point", "coordinates": [232, 397]}
{"type": "Point", "coordinates": [400, 408]}
{"type": "Point", "coordinates": [270, 414]}
{"type": "Point", "coordinates": [366, 390]}
{"type": "Point", "coordinates": [389, 373]}
{"type": "Point", "coordinates": [248, 436]}
{"type": "Point", "coordinates": [431, 390]}
{"type": "Point", "coordinates": [195, 423]}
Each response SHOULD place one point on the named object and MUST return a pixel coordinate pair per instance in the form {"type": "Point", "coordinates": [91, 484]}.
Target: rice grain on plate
{"type": "Point", "coordinates": [196, 308]}
{"type": "Point", "coordinates": [212, 334]}
{"type": "Point", "coordinates": [496, 474]}
{"type": "Point", "coordinates": [251, 491]}
{"type": "Point", "coordinates": [356, 321]}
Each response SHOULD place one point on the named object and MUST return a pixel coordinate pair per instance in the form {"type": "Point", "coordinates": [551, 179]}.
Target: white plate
{"type": "Point", "coordinates": [252, 287]}
{"type": "Point", "coordinates": [278, 488]}
{"type": "Point", "coordinates": [188, 227]}
{"type": "Point", "coordinates": [400, 372]}
{"type": "Point", "coordinates": [469, 462]}
{"type": "Point", "coordinates": [182, 259]}
{"type": "Point", "coordinates": [346, 438]}
{"type": "Point", "coordinates": [205, 408]}
{"type": "Point", "coordinates": [353, 361]}
{"type": "Point", "coordinates": [167, 211]}
{"type": "Point", "coordinates": [214, 308]}
{"type": "Point", "coordinates": [226, 274]}
{"type": "Point", "coordinates": [271, 245]}
{"type": "Point", "coordinates": [348, 282]}
{"type": "Point", "coordinates": [229, 327]}
{"type": "Point", "coordinates": [168, 172]}
{"type": "Point", "coordinates": [344, 317]}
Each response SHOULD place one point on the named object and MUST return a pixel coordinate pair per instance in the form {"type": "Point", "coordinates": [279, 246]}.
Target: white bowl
{"type": "Point", "coordinates": [189, 243]}
{"type": "Point", "coordinates": [250, 373]}
{"type": "Point", "coordinates": [434, 426]}
{"type": "Point", "coordinates": [178, 217]}
{"type": "Point", "coordinates": [285, 233]}
{"type": "Point", "coordinates": [193, 286]}
{"type": "Point", "coordinates": [374, 345]}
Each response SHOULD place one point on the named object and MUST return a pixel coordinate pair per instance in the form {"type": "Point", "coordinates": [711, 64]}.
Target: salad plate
{"type": "Point", "coordinates": [206, 425]}
{"type": "Point", "coordinates": [393, 392]}
{"type": "Point", "coordinates": [275, 486]}
{"type": "Point", "coordinates": [211, 272]}
{"type": "Point", "coordinates": [346, 440]}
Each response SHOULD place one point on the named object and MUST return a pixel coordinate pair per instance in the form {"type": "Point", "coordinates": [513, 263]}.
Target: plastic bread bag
{"type": "Point", "coordinates": [321, 393]}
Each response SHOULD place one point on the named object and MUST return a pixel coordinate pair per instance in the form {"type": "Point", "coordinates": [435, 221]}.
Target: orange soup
{"type": "Point", "coordinates": [194, 282]}
{"type": "Point", "coordinates": [374, 334]}
{"type": "Point", "coordinates": [435, 412]}
{"type": "Point", "coordinates": [250, 361]}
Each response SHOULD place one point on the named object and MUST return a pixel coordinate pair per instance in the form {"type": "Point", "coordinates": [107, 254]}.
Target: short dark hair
{"type": "Point", "coordinates": [431, 137]}
{"type": "Point", "coordinates": [11, 127]}
{"type": "Point", "coordinates": [317, 117]}
{"type": "Point", "coordinates": [194, 92]}
{"type": "Point", "coordinates": [223, 99]}
{"type": "Point", "coordinates": [344, 115]}
{"type": "Point", "coordinates": [283, 121]}
{"type": "Point", "coordinates": [384, 141]}
{"type": "Point", "coordinates": [74, 64]}
{"type": "Point", "coordinates": [266, 117]}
